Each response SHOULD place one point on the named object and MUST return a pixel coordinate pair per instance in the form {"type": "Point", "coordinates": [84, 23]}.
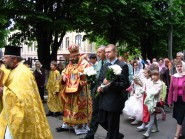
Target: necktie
{"type": "Point", "coordinates": [109, 64]}
{"type": "Point", "coordinates": [101, 74]}
{"type": "Point", "coordinates": [101, 66]}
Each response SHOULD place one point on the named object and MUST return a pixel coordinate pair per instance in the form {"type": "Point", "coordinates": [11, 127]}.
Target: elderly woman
{"type": "Point", "coordinates": [177, 96]}
{"type": "Point", "coordinates": [39, 75]}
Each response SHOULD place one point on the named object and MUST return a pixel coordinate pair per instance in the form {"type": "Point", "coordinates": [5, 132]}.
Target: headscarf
{"type": "Point", "coordinates": [178, 74]}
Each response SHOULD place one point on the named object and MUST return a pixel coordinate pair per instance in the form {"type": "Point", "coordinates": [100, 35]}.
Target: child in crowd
{"type": "Point", "coordinates": [152, 98]}
{"type": "Point", "coordinates": [146, 83]}
{"type": "Point", "coordinates": [160, 105]}
{"type": "Point", "coordinates": [133, 106]}
{"type": "Point", "coordinates": [53, 88]}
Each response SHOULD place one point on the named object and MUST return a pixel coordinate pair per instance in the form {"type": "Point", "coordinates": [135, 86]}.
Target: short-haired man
{"type": "Point", "coordinates": [111, 96]}
{"type": "Point", "coordinates": [93, 60]}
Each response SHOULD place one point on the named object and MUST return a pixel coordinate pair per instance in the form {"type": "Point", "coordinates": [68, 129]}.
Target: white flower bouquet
{"type": "Point", "coordinates": [112, 73]}
{"type": "Point", "coordinates": [90, 74]}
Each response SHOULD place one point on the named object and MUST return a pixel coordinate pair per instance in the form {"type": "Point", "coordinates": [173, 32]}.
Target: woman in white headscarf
{"type": "Point", "coordinates": [177, 96]}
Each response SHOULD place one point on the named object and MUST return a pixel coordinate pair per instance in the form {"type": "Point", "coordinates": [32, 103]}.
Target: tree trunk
{"type": "Point", "coordinates": [147, 48]}
{"type": "Point", "coordinates": [44, 39]}
{"type": "Point", "coordinates": [143, 49]}
{"type": "Point", "coordinates": [54, 51]}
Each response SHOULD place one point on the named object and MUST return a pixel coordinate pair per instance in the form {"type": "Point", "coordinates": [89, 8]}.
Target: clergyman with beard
{"type": "Point", "coordinates": [23, 114]}
{"type": "Point", "coordinates": [75, 94]}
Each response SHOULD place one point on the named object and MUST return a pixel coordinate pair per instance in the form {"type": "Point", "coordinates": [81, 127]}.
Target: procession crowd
{"type": "Point", "coordinates": [141, 91]}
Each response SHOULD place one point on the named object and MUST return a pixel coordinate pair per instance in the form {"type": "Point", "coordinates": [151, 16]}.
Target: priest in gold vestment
{"type": "Point", "coordinates": [4, 73]}
{"type": "Point", "coordinates": [75, 94]}
{"type": "Point", "coordinates": [23, 115]}
{"type": "Point", "coordinates": [53, 88]}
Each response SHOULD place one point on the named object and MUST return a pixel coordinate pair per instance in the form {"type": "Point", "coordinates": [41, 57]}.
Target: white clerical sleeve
{"type": "Point", "coordinates": [7, 133]}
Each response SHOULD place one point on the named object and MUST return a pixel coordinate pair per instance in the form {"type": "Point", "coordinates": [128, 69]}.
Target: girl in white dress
{"type": "Point", "coordinates": [134, 106]}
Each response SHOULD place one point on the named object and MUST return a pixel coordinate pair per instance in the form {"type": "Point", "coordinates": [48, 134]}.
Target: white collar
{"type": "Point", "coordinates": [113, 61]}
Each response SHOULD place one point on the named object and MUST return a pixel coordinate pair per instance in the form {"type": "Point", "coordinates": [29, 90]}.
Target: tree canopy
{"type": "Point", "coordinates": [45, 21]}
{"type": "Point", "coordinates": [138, 23]}
{"type": "Point", "coordinates": [141, 24]}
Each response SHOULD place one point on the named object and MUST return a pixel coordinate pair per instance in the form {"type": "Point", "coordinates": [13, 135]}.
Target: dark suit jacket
{"type": "Point", "coordinates": [40, 78]}
{"type": "Point", "coordinates": [111, 99]}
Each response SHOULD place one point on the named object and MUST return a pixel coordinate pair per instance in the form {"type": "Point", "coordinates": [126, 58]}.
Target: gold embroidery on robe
{"type": "Point", "coordinates": [23, 110]}
{"type": "Point", "coordinates": [76, 95]}
{"type": "Point", "coordinates": [53, 86]}
{"type": "Point", "coordinates": [3, 80]}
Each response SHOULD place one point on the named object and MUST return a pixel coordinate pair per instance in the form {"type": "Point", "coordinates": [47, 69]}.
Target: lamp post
{"type": "Point", "coordinates": [170, 41]}
{"type": "Point", "coordinates": [170, 34]}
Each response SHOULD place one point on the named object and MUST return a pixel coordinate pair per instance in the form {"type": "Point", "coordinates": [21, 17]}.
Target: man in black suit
{"type": "Point", "coordinates": [111, 96]}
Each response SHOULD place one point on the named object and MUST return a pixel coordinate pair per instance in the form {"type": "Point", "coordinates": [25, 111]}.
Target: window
{"type": "Point", "coordinates": [78, 39]}
{"type": "Point", "coordinates": [22, 49]}
{"type": "Point", "coordinates": [60, 47]}
{"type": "Point", "coordinates": [34, 46]}
{"type": "Point", "coordinates": [67, 42]}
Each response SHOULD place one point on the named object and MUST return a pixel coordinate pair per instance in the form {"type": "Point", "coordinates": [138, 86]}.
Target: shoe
{"type": "Point", "coordinates": [155, 131]}
{"type": "Point", "coordinates": [142, 129]}
{"type": "Point", "coordinates": [147, 126]}
{"type": "Point", "coordinates": [146, 135]}
{"type": "Point", "coordinates": [60, 129]}
{"type": "Point", "coordinates": [56, 114]}
{"type": "Point", "coordinates": [49, 113]}
{"type": "Point", "coordinates": [121, 136]}
{"type": "Point", "coordinates": [134, 122]}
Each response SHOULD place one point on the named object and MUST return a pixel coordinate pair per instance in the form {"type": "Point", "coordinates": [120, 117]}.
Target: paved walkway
{"type": "Point", "coordinates": [167, 129]}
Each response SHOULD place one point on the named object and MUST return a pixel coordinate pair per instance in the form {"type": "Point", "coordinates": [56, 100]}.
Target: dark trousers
{"type": "Point", "coordinates": [94, 119]}
{"type": "Point", "coordinates": [110, 122]}
{"type": "Point", "coordinates": [41, 91]}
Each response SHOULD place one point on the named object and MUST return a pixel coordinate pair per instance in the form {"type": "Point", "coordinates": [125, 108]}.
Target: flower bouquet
{"type": "Point", "coordinates": [112, 73]}
{"type": "Point", "coordinates": [90, 74]}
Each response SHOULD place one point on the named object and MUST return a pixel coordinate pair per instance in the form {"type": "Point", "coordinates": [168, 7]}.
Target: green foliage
{"type": "Point", "coordinates": [3, 31]}
{"type": "Point", "coordinates": [140, 25]}
{"type": "Point", "coordinates": [46, 22]}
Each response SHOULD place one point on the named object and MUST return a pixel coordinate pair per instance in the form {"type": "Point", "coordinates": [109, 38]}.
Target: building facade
{"type": "Point", "coordinates": [70, 38]}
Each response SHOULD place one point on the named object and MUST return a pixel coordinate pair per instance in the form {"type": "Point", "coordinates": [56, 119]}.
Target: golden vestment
{"type": "Point", "coordinates": [53, 86]}
{"type": "Point", "coordinates": [76, 95]}
{"type": "Point", "coordinates": [23, 110]}
{"type": "Point", "coordinates": [5, 76]}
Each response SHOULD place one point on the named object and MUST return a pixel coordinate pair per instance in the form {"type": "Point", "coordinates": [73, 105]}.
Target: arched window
{"type": "Point", "coordinates": [67, 42]}
{"type": "Point", "coordinates": [78, 39]}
